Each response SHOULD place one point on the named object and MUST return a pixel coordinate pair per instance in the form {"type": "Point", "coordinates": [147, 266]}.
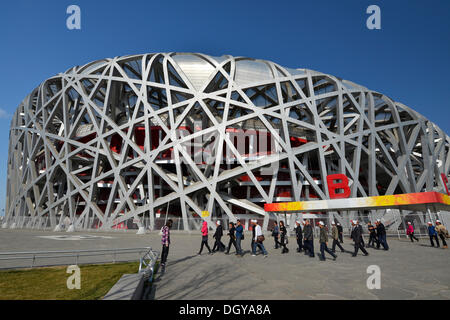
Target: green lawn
{"type": "Point", "coordinates": [51, 283]}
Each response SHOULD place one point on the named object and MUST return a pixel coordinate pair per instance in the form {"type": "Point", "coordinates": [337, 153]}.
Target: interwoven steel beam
{"type": "Point", "coordinates": [127, 137]}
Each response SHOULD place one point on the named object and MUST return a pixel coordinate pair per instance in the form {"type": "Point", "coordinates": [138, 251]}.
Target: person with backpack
{"type": "Point", "coordinates": [308, 236]}
{"type": "Point", "coordinates": [299, 236]}
{"type": "Point", "coordinates": [335, 237]}
{"type": "Point", "coordinates": [323, 240]}
{"type": "Point", "coordinates": [410, 232]}
{"type": "Point", "coordinates": [433, 234]}
{"type": "Point", "coordinates": [442, 232]}
{"type": "Point", "coordinates": [204, 238]}
{"type": "Point", "coordinates": [239, 237]}
{"type": "Point", "coordinates": [275, 234]}
{"type": "Point", "coordinates": [284, 240]}
{"type": "Point", "coordinates": [217, 236]}
{"type": "Point", "coordinates": [231, 234]}
{"type": "Point", "coordinates": [165, 240]}
{"type": "Point", "coordinates": [258, 239]}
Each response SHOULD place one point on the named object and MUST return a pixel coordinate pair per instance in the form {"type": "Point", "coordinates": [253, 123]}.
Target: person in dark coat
{"type": "Point", "coordinates": [381, 233]}
{"type": "Point", "coordinates": [283, 233]}
{"type": "Point", "coordinates": [340, 232]}
{"type": "Point", "coordinates": [357, 238]}
{"type": "Point", "coordinates": [323, 240]}
{"type": "Point", "coordinates": [239, 236]}
{"type": "Point", "coordinates": [433, 234]}
{"type": "Point", "coordinates": [299, 236]}
{"type": "Point", "coordinates": [218, 235]}
{"type": "Point", "coordinates": [308, 239]}
{"type": "Point", "coordinates": [253, 234]}
{"type": "Point", "coordinates": [372, 235]}
{"type": "Point", "coordinates": [232, 241]}
{"type": "Point", "coordinates": [165, 240]}
{"type": "Point", "coordinates": [275, 234]}
{"type": "Point", "coordinates": [361, 231]}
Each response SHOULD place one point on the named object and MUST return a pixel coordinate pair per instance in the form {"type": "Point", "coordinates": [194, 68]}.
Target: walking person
{"type": "Point", "coordinates": [410, 232]}
{"type": "Point", "coordinates": [442, 232]}
{"type": "Point", "coordinates": [433, 234]}
{"type": "Point", "coordinates": [275, 234]}
{"type": "Point", "coordinates": [231, 234]}
{"type": "Point", "coordinates": [258, 239]}
{"type": "Point", "coordinates": [299, 236]}
{"type": "Point", "coordinates": [165, 240]}
{"type": "Point", "coordinates": [335, 236]}
{"type": "Point", "coordinates": [204, 238]}
{"type": "Point", "coordinates": [340, 232]}
{"type": "Point", "coordinates": [323, 240]}
{"type": "Point", "coordinates": [381, 233]}
{"type": "Point", "coordinates": [361, 231]}
{"type": "Point", "coordinates": [253, 234]}
{"type": "Point", "coordinates": [372, 235]}
{"type": "Point", "coordinates": [239, 237]}
{"type": "Point", "coordinates": [356, 235]}
{"type": "Point", "coordinates": [308, 239]}
{"type": "Point", "coordinates": [283, 237]}
{"type": "Point", "coordinates": [218, 245]}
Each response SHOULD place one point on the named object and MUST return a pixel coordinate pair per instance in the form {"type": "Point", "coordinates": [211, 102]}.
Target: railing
{"type": "Point", "coordinates": [147, 264]}
{"type": "Point", "coordinates": [77, 254]}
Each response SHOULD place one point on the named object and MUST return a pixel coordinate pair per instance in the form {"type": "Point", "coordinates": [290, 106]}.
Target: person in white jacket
{"type": "Point", "coordinates": [259, 239]}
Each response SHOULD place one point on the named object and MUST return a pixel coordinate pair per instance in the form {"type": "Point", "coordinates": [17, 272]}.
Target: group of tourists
{"type": "Point", "coordinates": [236, 235]}
{"type": "Point", "coordinates": [433, 233]}
{"type": "Point", "coordinates": [304, 234]}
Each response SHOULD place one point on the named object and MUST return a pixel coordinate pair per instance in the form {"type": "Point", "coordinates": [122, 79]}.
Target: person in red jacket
{"type": "Point", "coordinates": [205, 238]}
{"type": "Point", "coordinates": [410, 232]}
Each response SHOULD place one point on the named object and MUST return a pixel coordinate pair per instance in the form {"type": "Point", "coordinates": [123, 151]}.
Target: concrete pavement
{"type": "Point", "coordinates": [408, 270]}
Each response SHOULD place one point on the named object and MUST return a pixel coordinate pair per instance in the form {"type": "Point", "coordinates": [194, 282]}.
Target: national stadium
{"type": "Point", "coordinates": [127, 142]}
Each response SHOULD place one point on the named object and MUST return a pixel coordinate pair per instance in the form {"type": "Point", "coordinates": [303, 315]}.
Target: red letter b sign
{"type": "Point", "coordinates": [333, 185]}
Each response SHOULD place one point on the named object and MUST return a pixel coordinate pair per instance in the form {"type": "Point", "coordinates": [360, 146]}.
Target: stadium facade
{"type": "Point", "coordinates": [191, 135]}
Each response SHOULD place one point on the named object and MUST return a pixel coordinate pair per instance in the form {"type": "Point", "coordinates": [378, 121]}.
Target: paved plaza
{"type": "Point", "coordinates": [408, 270]}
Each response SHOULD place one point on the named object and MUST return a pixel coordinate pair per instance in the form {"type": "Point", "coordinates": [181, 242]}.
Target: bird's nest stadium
{"type": "Point", "coordinates": [132, 140]}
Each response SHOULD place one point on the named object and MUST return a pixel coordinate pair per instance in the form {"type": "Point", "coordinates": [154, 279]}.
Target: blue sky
{"type": "Point", "coordinates": [408, 59]}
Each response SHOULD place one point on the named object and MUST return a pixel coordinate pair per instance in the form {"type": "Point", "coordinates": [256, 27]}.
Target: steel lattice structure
{"type": "Point", "coordinates": [113, 140]}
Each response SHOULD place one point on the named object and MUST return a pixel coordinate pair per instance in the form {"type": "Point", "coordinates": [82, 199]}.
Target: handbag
{"type": "Point", "coordinates": [260, 238]}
